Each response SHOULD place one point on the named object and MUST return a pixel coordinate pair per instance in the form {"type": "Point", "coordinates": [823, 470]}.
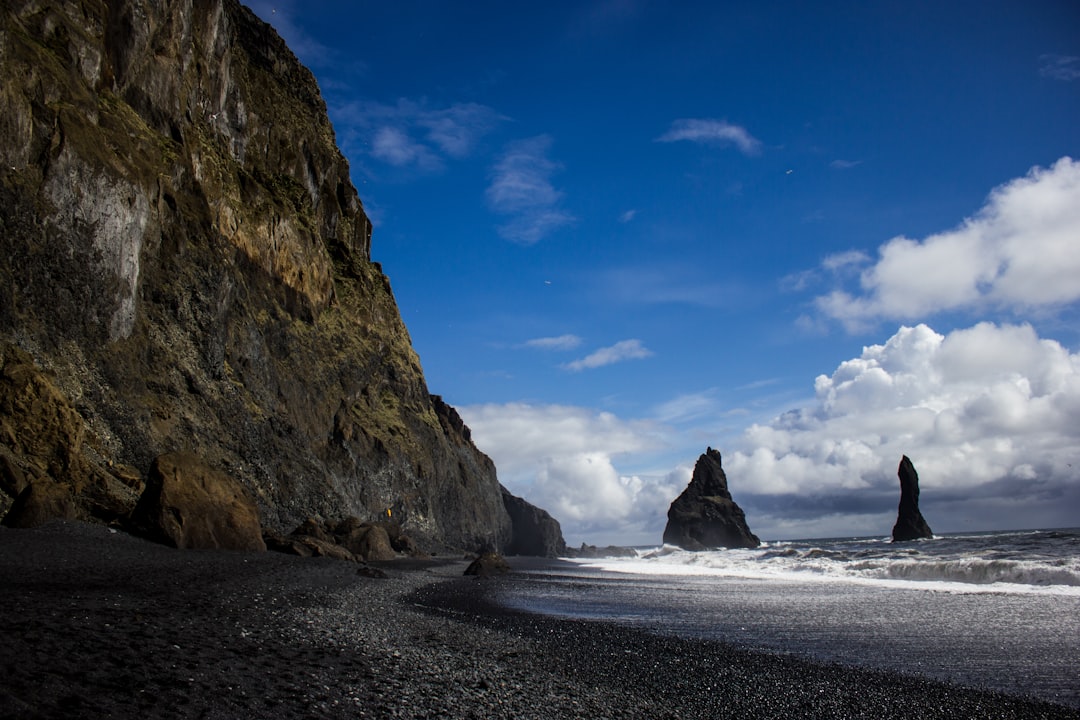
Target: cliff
{"type": "Point", "coordinates": [186, 267]}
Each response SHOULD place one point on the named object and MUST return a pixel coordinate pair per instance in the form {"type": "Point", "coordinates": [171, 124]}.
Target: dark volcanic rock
{"type": "Point", "coordinates": [705, 516]}
{"type": "Point", "coordinates": [535, 532]}
{"type": "Point", "coordinates": [184, 260]}
{"type": "Point", "coordinates": [488, 564]}
{"type": "Point", "coordinates": [910, 524]}
{"type": "Point", "coordinates": [188, 504]}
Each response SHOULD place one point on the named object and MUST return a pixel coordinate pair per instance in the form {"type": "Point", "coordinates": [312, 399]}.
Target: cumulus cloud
{"type": "Point", "coordinates": [1018, 252]}
{"type": "Point", "coordinates": [711, 132]}
{"type": "Point", "coordinates": [411, 134]}
{"type": "Point", "coordinates": [623, 350]}
{"type": "Point", "coordinates": [560, 342]}
{"type": "Point", "coordinates": [990, 415]}
{"type": "Point", "coordinates": [521, 188]}
{"type": "Point", "coordinates": [562, 458]}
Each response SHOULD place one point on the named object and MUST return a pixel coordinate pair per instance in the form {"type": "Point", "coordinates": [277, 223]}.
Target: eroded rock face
{"type": "Point", "coordinates": [191, 505]}
{"type": "Point", "coordinates": [535, 532]}
{"type": "Point", "coordinates": [910, 523]}
{"type": "Point", "coordinates": [705, 516]}
{"type": "Point", "coordinates": [183, 255]}
{"type": "Point", "coordinates": [49, 466]}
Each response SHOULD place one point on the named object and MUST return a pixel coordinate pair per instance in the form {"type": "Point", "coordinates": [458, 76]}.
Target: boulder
{"type": "Point", "coordinates": [705, 516]}
{"type": "Point", "coordinates": [348, 539]}
{"type": "Point", "coordinates": [533, 531]}
{"type": "Point", "coordinates": [189, 504]}
{"type": "Point", "coordinates": [488, 564]}
{"type": "Point", "coordinates": [368, 541]}
{"type": "Point", "coordinates": [910, 523]}
{"type": "Point", "coordinates": [39, 503]}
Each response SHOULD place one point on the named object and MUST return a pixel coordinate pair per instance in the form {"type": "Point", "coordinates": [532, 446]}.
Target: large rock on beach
{"type": "Point", "coordinates": [188, 504]}
{"type": "Point", "coordinates": [910, 523]}
{"type": "Point", "coordinates": [705, 516]}
{"type": "Point", "coordinates": [185, 265]}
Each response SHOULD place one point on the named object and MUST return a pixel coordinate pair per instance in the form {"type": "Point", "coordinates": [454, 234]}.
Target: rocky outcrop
{"type": "Point", "coordinates": [535, 532]}
{"type": "Point", "coordinates": [488, 564]}
{"type": "Point", "coordinates": [910, 523]}
{"type": "Point", "coordinates": [350, 539]}
{"type": "Point", "coordinates": [704, 516]}
{"type": "Point", "coordinates": [186, 262]}
{"type": "Point", "coordinates": [188, 504]}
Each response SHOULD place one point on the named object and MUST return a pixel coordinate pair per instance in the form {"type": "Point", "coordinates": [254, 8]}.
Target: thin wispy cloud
{"type": "Point", "coordinates": [619, 352]}
{"type": "Point", "coordinates": [561, 342]}
{"type": "Point", "coordinates": [628, 216]}
{"type": "Point", "coordinates": [1018, 252]}
{"type": "Point", "coordinates": [521, 188]}
{"type": "Point", "coordinates": [669, 283]}
{"type": "Point", "coordinates": [395, 147]}
{"type": "Point", "coordinates": [711, 132]}
{"type": "Point", "coordinates": [844, 164]}
{"type": "Point", "coordinates": [412, 134]}
{"type": "Point", "coordinates": [1060, 67]}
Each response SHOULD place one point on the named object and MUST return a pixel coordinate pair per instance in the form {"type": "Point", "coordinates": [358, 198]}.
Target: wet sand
{"type": "Point", "coordinates": [97, 624]}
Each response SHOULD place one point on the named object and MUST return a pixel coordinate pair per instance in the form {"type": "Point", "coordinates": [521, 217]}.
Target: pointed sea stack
{"type": "Point", "coordinates": [910, 524]}
{"type": "Point", "coordinates": [705, 517]}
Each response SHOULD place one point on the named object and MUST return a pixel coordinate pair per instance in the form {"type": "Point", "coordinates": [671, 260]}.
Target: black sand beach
{"type": "Point", "coordinates": [97, 624]}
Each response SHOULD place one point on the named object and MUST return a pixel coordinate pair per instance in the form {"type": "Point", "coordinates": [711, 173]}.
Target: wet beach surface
{"type": "Point", "coordinates": [97, 624]}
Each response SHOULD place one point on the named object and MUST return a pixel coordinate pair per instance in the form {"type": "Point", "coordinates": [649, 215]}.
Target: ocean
{"type": "Point", "coordinates": [997, 610]}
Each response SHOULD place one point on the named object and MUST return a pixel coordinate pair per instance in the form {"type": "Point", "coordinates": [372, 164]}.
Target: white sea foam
{"type": "Point", "coordinates": [998, 563]}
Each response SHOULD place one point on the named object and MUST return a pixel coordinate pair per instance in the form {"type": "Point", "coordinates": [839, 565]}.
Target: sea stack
{"type": "Point", "coordinates": [704, 517]}
{"type": "Point", "coordinates": [910, 524]}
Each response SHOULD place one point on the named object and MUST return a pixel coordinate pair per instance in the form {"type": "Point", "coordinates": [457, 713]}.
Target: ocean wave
{"type": "Point", "coordinates": [1002, 562]}
{"type": "Point", "coordinates": [973, 570]}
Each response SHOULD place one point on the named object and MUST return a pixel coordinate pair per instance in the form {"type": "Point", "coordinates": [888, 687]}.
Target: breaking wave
{"type": "Point", "coordinates": [1037, 561]}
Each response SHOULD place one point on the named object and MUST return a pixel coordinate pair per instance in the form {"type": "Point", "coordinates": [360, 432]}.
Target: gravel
{"type": "Point", "coordinates": [97, 624]}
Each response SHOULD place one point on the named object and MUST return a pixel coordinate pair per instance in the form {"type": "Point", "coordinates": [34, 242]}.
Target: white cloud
{"type": "Point", "coordinates": [561, 458]}
{"type": "Point", "coordinates": [521, 187]}
{"type": "Point", "coordinates": [411, 134]}
{"type": "Point", "coordinates": [627, 216]}
{"type": "Point", "coordinates": [395, 147]}
{"type": "Point", "coordinates": [1018, 252]}
{"type": "Point", "coordinates": [844, 164]}
{"type": "Point", "coordinates": [711, 132]}
{"type": "Point", "coordinates": [987, 413]}
{"type": "Point", "coordinates": [623, 350]}
{"type": "Point", "coordinates": [560, 342]}
{"type": "Point", "coordinates": [1060, 67]}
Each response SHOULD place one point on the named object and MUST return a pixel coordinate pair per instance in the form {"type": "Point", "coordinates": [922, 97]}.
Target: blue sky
{"type": "Point", "coordinates": [815, 236]}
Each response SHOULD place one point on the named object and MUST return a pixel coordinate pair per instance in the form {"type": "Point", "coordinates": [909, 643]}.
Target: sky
{"type": "Point", "coordinates": [813, 236]}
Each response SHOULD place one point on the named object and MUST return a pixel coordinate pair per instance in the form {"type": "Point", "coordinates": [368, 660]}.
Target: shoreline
{"type": "Point", "coordinates": [98, 624]}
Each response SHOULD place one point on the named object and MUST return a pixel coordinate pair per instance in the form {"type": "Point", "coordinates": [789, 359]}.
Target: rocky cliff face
{"type": "Point", "coordinates": [705, 516]}
{"type": "Point", "coordinates": [186, 267]}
